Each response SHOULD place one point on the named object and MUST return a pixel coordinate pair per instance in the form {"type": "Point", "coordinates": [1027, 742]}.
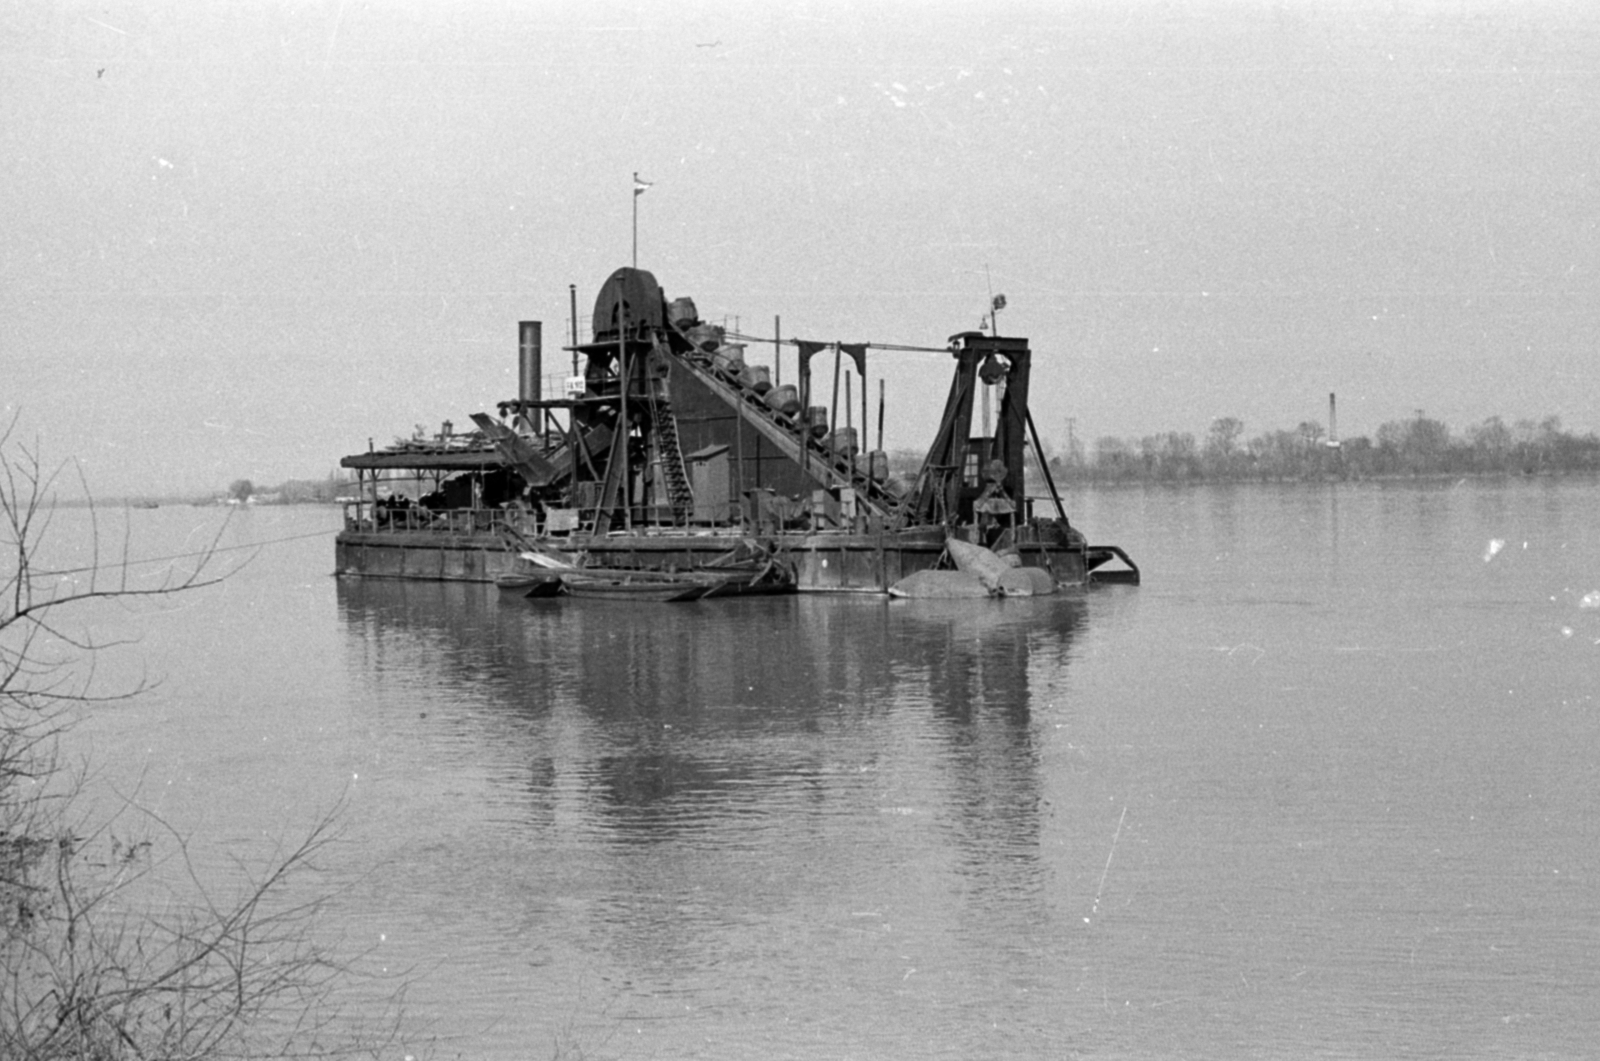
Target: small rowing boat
{"type": "Point", "coordinates": [529, 583]}
{"type": "Point", "coordinates": [635, 585]}
{"type": "Point", "coordinates": [522, 581]}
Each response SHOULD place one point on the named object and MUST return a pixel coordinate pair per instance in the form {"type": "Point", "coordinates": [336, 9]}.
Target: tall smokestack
{"type": "Point", "coordinates": [1333, 421]}
{"type": "Point", "coordinates": [530, 360]}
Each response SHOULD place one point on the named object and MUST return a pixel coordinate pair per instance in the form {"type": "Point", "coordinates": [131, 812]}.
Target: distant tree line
{"type": "Point", "coordinates": [292, 491]}
{"type": "Point", "coordinates": [1416, 447]}
{"type": "Point", "coordinates": [302, 491]}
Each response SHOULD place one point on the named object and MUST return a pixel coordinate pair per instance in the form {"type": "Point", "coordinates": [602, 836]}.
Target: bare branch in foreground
{"type": "Point", "coordinates": [110, 951]}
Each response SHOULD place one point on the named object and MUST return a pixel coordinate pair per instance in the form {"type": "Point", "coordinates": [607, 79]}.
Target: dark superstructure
{"type": "Point", "coordinates": [667, 451]}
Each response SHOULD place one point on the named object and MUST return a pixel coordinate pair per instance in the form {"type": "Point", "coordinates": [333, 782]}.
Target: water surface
{"type": "Point", "coordinates": [1325, 785]}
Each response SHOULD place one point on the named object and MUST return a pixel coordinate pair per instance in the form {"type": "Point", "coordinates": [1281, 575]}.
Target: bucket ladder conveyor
{"type": "Point", "coordinates": [790, 435]}
{"type": "Point", "coordinates": [670, 454]}
{"type": "Point", "coordinates": [639, 347]}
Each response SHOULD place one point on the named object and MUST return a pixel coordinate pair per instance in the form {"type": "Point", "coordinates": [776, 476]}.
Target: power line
{"type": "Point", "coordinates": [183, 556]}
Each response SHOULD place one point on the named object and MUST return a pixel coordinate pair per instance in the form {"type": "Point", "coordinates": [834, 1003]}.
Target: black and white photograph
{"type": "Point", "coordinates": [814, 530]}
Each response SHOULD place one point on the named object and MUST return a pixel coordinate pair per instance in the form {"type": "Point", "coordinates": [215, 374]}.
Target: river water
{"type": "Point", "coordinates": [1326, 785]}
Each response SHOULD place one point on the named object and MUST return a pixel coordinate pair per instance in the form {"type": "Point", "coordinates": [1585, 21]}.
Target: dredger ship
{"type": "Point", "coordinates": [668, 451]}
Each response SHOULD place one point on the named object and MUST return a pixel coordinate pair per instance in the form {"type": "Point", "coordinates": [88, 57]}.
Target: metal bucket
{"type": "Point", "coordinates": [817, 417]}
{"type": "Point", "coordinates": [758, 378]}
{"type": "Point", "coordinates": [729, 356]}
{"type": "Point", "coordinates": [878, 465]}
{"type": "Point", "coordinates": [681, 311]}
{"type": "Point", "coordinates": [706, 337]}
{"type": "Point", "coordinates": [784, 399]}
{"type": "Point", "coordinates": [843, 441]}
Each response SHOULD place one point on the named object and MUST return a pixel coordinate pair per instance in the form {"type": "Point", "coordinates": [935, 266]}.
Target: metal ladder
{"type": "Point", "coordinates": [679, 494]}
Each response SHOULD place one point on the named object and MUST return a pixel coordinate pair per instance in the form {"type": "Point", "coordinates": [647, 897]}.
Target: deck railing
{"type": "Point", "coordinates": [384, 518]}
{"type": "Point", "coordinates": [381, 518]}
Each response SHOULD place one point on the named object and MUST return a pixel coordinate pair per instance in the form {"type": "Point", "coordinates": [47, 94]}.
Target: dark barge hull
{"type": "Point", "coordinates": [827, 562]}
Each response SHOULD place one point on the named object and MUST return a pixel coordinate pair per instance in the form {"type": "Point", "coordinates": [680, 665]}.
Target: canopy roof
{"type": "Point", "coordinates": [426, 460]}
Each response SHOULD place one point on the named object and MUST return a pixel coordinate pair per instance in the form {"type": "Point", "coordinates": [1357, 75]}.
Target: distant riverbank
{"type": "Point", "coordinates": [1407, 449]}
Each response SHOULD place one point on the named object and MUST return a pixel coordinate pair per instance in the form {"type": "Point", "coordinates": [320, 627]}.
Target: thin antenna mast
{"type": "Point", "coordinates": [638, 189]}
{"type": "Point", "coordinates": [989, 282]}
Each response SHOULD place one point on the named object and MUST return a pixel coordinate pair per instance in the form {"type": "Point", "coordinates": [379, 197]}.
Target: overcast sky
{"type": "Point", "coordinates": [241, 239]}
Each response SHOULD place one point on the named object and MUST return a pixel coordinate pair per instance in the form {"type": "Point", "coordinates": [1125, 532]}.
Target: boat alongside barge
{"type": "Point", "coordinates": [667, 453]}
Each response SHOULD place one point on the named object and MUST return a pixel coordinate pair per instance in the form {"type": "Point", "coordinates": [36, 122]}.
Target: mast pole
{"type": "Point", "coordinates": [622, 420]}
{"type": "Point", "coordinates": [847, 404]}
{"type": "Point", "coordinates": [880, 412]}
{"type": "Point", "coordinates": [833, 407]}
{"type": "Point", "coordinates": [738, 456]}
{"type": "Point", "coordinates": [863, 440]}
{"type": "Point", "coordinates": [572, 293]}
{"type": "Point", "coordinates": [1044, 466]}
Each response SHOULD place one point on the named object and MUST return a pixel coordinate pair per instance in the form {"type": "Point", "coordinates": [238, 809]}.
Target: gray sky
{"type": "Point", "coordinates": [241, 239]}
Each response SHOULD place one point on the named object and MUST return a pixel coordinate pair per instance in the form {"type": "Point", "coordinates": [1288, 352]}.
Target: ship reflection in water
{"type": "Point", "coordinates": [709, 801]}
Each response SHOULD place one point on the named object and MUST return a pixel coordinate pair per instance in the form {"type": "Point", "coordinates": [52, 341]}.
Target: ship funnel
{"type": "Point", "coordinates": [530, 358]}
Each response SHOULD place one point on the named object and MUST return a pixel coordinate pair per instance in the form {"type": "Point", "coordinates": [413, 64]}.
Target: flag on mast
{"type": "Point", "coordinates": [638, 189]}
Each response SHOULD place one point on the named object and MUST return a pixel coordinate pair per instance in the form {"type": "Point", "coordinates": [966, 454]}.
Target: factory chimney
{"type": "Point", "coordinates": [1333, 423]}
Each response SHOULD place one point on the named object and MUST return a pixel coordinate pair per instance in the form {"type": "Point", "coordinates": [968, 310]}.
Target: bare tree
{"type": "Point", "coordinates": [110, 949]}
{"type": "Point", "coordinates": [1222, 444]}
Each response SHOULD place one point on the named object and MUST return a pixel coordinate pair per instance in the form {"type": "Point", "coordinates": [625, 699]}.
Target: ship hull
{"type": "Point", "coordinates": [827, 562]}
